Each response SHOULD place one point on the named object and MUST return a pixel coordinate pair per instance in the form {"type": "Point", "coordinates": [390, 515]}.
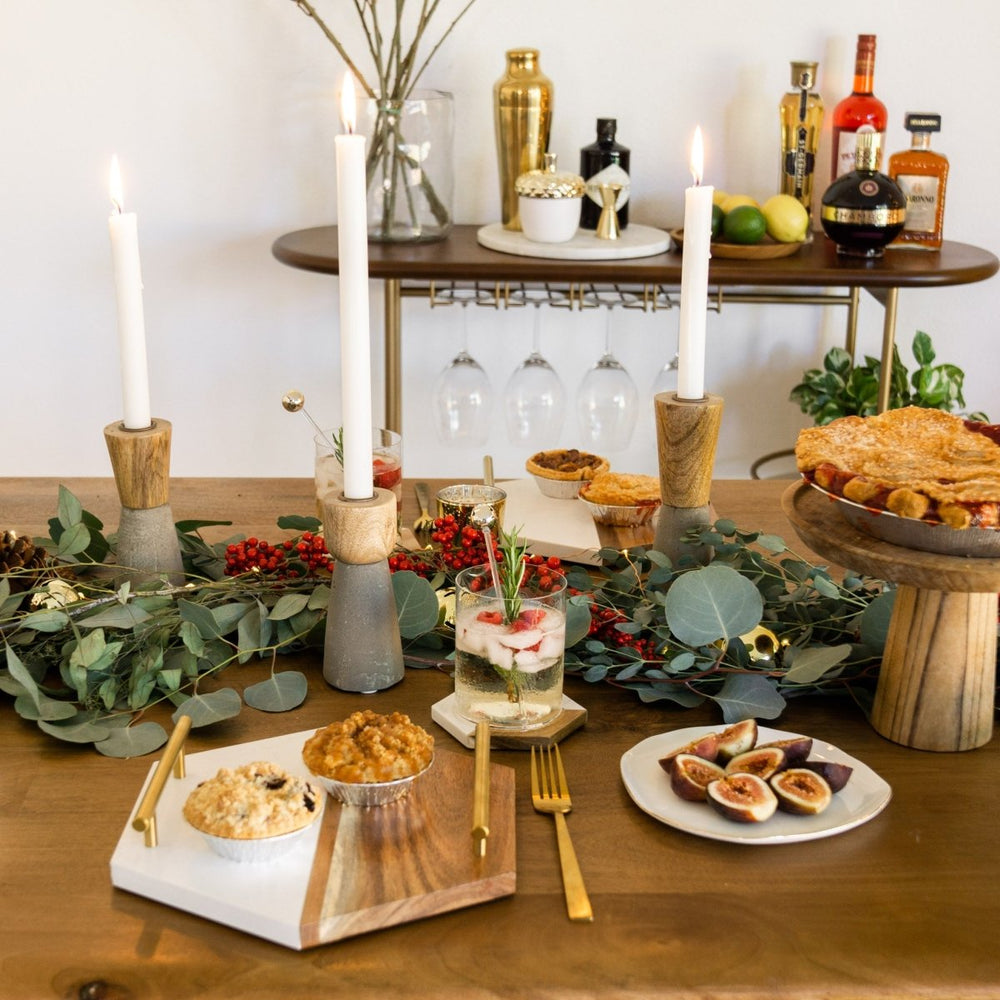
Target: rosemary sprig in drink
{"type": "Point", "coordinates": [512, 552]}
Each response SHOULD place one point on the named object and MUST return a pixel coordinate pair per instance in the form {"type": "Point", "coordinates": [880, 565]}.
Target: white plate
{"type": "Point", "coordinates": [863, 797]}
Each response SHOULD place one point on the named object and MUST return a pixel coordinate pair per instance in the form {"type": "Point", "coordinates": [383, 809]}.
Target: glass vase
{"type": "Point", "coordinates": [409, 169]}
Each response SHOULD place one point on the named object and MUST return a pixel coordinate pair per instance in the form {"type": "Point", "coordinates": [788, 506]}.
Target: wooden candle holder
{"type": "Point", "coordinates": [363, 651]}
{"type": "Point", "coordinates": [687, 434]}
{"type": "Point", "coordinates": [147, 545]}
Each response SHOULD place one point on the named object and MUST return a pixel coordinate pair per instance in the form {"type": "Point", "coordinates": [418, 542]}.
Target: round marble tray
{"type": "Point", "coordinates": [635, 241]}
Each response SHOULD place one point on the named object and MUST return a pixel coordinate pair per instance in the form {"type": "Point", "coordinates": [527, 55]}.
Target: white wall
{"type": "Point", "coordinates": [222, 114]}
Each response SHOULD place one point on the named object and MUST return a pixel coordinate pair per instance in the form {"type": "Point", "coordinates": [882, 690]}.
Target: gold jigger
{"type": "Point", "coordinates": [687, 433]}
{"type": "Point", "coordinates": [607, 224]}
{"type": "Point", "coordinates": [363, 651]}
{"type": "Point", "coordinates": [147, 544]}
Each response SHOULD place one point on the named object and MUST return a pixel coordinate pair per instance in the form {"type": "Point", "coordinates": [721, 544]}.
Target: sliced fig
{"type": "Point", "coordinates": [689, 775]}
{"type": "Point", "coordinates": [796, 748]}
{"type": "Point", "coordinates": [762, 761]}
{"type": "Point", "coordinates": [744, 798]}
{"type": "Point", "coordinates": [737, 739]}
{"type": "Point", "coordinates": [802, 791]}
{"type": "Point", "coordinates": [706, 747]}
{"type": "Point", "coordinates": [836, 775]}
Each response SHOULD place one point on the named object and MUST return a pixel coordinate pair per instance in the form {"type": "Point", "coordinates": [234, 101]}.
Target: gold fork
{"type": "Point", "coordinates": [550, 794]}
{"type": "Point", "coordinates": [425, 522]}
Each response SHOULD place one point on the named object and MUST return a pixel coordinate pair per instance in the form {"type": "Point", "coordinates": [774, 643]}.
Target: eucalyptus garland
{"type": "Point", "coordinates": [84, 654]}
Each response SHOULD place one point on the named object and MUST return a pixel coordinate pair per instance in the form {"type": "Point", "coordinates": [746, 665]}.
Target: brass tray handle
{"type": "Point", "coordinates": [172, 760]}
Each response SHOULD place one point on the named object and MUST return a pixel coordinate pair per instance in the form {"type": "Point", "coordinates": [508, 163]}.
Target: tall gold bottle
{"type": "Point", "coordinates": [522, 115]}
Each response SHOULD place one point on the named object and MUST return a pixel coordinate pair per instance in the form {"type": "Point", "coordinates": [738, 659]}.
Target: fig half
{"type": "Point", "coordinates": [744, 798]}
{"type": "Point", "coordinates": [737, 739]}
{"type": "Point", "coordinates": [836, 775]}
{"type": "Point", "coordinates": [762, 761]}
{"type": "Point", "coordinates": [797, 748]}
{"type": "Point", "coordinates": [706, 747]}
{"type": "Point", "coordinates": [689, 776]}
{"type": "Point", "coordinates": [802, 791]}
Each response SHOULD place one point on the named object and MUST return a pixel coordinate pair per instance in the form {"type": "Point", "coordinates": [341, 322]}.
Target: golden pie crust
{"type": "Point", "coordinates": [566, 464]}
{"type": "Point", "coordinates": [914, 462]}
{"type": "Point", "coordinates": [623, 489]}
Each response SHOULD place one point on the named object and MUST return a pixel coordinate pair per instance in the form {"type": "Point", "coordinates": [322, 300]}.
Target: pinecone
{"type": "Point", "coordinates": [19, 557]}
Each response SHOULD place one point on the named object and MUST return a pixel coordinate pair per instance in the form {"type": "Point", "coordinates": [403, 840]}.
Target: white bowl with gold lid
{"type": "Point", "coordinates": [548, 203]}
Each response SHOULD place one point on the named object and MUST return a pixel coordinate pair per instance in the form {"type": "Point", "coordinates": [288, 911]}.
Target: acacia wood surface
{"type": "Point", "coordinates": [903, 906]}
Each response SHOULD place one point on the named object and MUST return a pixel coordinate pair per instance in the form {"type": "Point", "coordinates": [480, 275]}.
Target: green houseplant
{"type": "Point", "coordinates": [842, 388]}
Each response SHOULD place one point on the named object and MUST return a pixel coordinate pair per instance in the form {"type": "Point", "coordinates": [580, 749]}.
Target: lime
{"type": "Point", "coordinates": [717, 217]}
{"type": "Point", "coordinates": [787, 218]}
{"type": "Point", "coordinates": [744, 224]}
{"type": "Point", "coordinates": [736, 200]}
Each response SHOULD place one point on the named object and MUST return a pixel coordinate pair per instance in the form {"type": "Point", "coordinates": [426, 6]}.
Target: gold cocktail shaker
{"type": "Point", "coordinates": [522, 113]}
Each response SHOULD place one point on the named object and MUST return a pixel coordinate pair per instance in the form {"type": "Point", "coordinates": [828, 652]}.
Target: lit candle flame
{"type": "Point", "coordinates": [348, 105]}
{"type": "Point", "coordinates": [115, 185]}
{"type": "Point", "coordinates": [697, 156]}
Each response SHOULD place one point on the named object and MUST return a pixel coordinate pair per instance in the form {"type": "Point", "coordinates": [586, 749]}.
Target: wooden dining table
{"type": "Point", "coordinates": [903, 905]}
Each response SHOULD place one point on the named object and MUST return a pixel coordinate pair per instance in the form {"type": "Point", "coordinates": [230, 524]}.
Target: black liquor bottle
{"type": "Point", "coordinates": [863, 210]}
{"type": "Point", "coordinates": [604, 162]}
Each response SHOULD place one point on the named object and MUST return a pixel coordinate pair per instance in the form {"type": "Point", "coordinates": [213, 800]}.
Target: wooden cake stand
{"type": "Point", "coordinates": [936, 688]}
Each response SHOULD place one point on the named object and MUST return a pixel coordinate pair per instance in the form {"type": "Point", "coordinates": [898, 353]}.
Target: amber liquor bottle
{"type": "Point", "coordinates": [604, 161]}
{"type": "Point", "coordinates": [922, 176]}
{"type": "Point", "coordinates": [801, 115]}
{"type": "Point", "coordinates": [860, 111]}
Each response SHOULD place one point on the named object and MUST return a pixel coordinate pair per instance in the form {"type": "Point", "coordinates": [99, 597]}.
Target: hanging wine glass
{"type": "Point", "coordinates": [607, 403]}
{"type": "Point", "coordinates": [666, 378]}
{"type": "Point", "coordinates": [463, 397]}
{"type": "Point", "coordinates": [534, 398]}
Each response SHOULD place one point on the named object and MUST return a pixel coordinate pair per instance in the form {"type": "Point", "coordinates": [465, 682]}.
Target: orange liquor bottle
{"type": "Point", "coordinates": [860, 111]}
{"type": "Point", "coordinates": [922, 175]}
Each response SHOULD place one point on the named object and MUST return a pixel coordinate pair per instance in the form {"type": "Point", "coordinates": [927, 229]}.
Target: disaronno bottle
{"type": "Point", "coordinates": [801, 116]}
{"type": "Point", "coordinates": [522, 114]}
{"type": "Point", "coordinates": [922, 174]}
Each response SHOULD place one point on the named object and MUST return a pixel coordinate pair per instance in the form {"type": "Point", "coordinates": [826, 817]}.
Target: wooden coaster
{"type": "Point", "coordinates": [572, 717]}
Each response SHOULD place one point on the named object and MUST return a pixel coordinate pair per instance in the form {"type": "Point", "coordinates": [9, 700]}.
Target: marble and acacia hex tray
{"type": "Point", "coordinates": [357, 870]}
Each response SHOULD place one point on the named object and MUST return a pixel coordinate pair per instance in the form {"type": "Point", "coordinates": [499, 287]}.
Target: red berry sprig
{"type": "Point", "coordinates": [304, 556]}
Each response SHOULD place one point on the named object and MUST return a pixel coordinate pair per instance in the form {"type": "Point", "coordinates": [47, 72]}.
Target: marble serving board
{"type": "Point", "coordinates": [357, 870]}
{"type": "Point", "coordinates": [635, 241]}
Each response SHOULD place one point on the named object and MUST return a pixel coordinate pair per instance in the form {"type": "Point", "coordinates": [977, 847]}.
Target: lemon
{"type": "Point", "coordinates": [719, 196]}
{"type": "Point", "coordinates": [744, 224]}
{"type": "Point", "coordinates": [736, 200]}
{"type": "Point", "coordinates": [786, 217]}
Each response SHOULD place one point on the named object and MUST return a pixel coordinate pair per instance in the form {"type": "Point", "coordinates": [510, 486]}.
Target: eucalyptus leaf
{"type": "Point", "coordinates": [577, 622]}
{"type": "Point", "coordinates": [21, 674]}
{"type": "Point", "coordinates": [288, 605]}
{"type": "Point", "coordinates": [281, 692]}
{"type": "Point", "coordinates": [416, 604]}
{"type": "Point", "coordinates": [70, 509]}
{"type": "Point", "coordinates": [199, 616]}
{"type": "Point", "coordinates": [875, 620]}
{"type": "Point", "coordinates": [748, 696]}
{"type": "Point", "coordinates": [73, 541]}
{"type": "Point", "coordinates": [133, 741]}
{"type": "Point", "coordinates": [124, 616]}
{"type": "Point", "coordinates": [44, 708]}
{"type": "Point", "coordinates": [76, 732]}
{"type": "Point", "coordinates": [46, 620]}
{"type": "Point", "coordinates": [810, 664]}
{"type": "Point", "coordinates": [206, 709]}
{"type": "Point", "coordinates": [712, 603]}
